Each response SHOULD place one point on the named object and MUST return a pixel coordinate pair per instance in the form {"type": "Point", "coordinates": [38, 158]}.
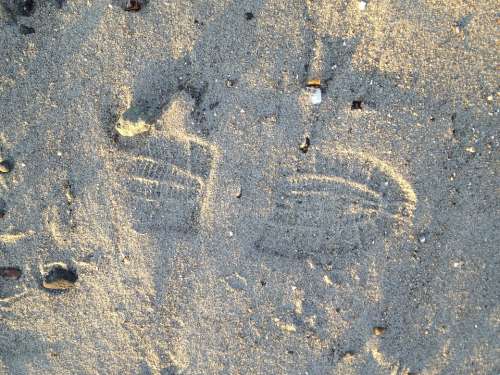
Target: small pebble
{"type": "Point", "coordinates": [361, 5]}
{"type": "Point", "coordinates": [60, 277]}
{"type": "Point", "coordinates": [356, 104]}
{"type": "Point", "coordinates": [238, 193]}
{"type": "Point", "coordinates": [422, 238]}
{"type": "Point", "coordinates": [249, 16]}
{"type": "Point", "coordinates": [378, 331]}
{"type": "Point", "coordinates": [133, 6]}
{"type": "Point", "coordinates": [4, 167]}
{"type": "Point", "coordinates": [11, 273]}
{"type": "Point", "coordinates": [304, 147]}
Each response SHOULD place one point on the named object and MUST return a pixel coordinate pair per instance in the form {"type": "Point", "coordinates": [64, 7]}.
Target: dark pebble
{"type": "Point", "coordinates": [133, 6]}
{"type": "Point", "coordinates": [5, 166]}
{"type": "Point", "coordinates": [60, 277]}
{"type": "Point", "coordinates": [356, 104]}
{"type": "Point", "coordinates": [249, 16]}
{"type": "Point", "coordinates": [11, 273]}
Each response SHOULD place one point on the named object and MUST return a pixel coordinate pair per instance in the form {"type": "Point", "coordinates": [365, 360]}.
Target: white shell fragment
{"type": "Point", "coordinates": [130, 129]}
{"type": "Point", "coordinates": [361, 5]}
{"type": "Point", "coordinates": [131, 122]}
{"type": "Point", "coordinates": [314, 95]}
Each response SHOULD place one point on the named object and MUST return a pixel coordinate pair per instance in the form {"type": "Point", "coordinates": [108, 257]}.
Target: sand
{"type": "Point", "coordinates": [209, 219]}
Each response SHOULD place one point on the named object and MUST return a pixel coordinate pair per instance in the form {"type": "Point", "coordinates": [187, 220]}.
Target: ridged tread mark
{"type": "Point", "coordinates": [314, 212]}
{"type": "Point", "coordinates": [163, 183]}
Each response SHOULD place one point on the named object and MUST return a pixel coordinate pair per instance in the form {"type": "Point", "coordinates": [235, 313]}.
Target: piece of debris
{"type": "Point", "coordinates": [422, 238]}
{"type": "Point", "coordinates": [304, 147]}
{"type": "Point", "coordinates": [314, 83]}
{"type": "Point", "coordinates": [378, 331]}
{"type": "Point", "coordinates": [60, 277]}
{"type": "Point", "coordinates": [362, 5]}
{"type": "Point", "coordinates": [238, 192]}
{"type": "Point", "coordinates": [230, 82]}
{"type": "Point", "coordinates": [249, 16]}
{"type": "Point", "coordinates": [314, 95]}
{"type": "Point", "coordinates": [11, 273]}
{"type": "Point", "coordinates": [314, 90]}
{"type": "Point", "coordinates": [356, 104]}
{"type": "Point", "coordinates": [133, 6]}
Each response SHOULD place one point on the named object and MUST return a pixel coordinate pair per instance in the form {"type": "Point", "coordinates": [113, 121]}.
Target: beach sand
{"type": "Point", "coordinates": [205, 217]}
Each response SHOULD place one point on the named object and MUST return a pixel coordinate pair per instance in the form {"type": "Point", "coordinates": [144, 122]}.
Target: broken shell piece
{"type": "Point", "coordinates": [131, 124]}
{"type": "Point", "coordinates": [238, 192]}
{"type": "Point", "coordinates": [314, 95]}
{"type": "Point", "coordinates": [59, 277]}
{"type": "Point", "coordinates": [314, 83]}
{"type": "Point", "coordinates": [130, 129]}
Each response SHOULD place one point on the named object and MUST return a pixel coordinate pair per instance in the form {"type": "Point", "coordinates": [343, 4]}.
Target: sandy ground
{"type": "Point", "coordinates": [247, 231]}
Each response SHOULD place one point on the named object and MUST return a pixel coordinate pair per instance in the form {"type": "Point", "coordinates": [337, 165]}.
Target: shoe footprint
{"type": "Point", "coordinates": [344, 201]}
{"type": "Point", "coordinates": [163, 182]}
